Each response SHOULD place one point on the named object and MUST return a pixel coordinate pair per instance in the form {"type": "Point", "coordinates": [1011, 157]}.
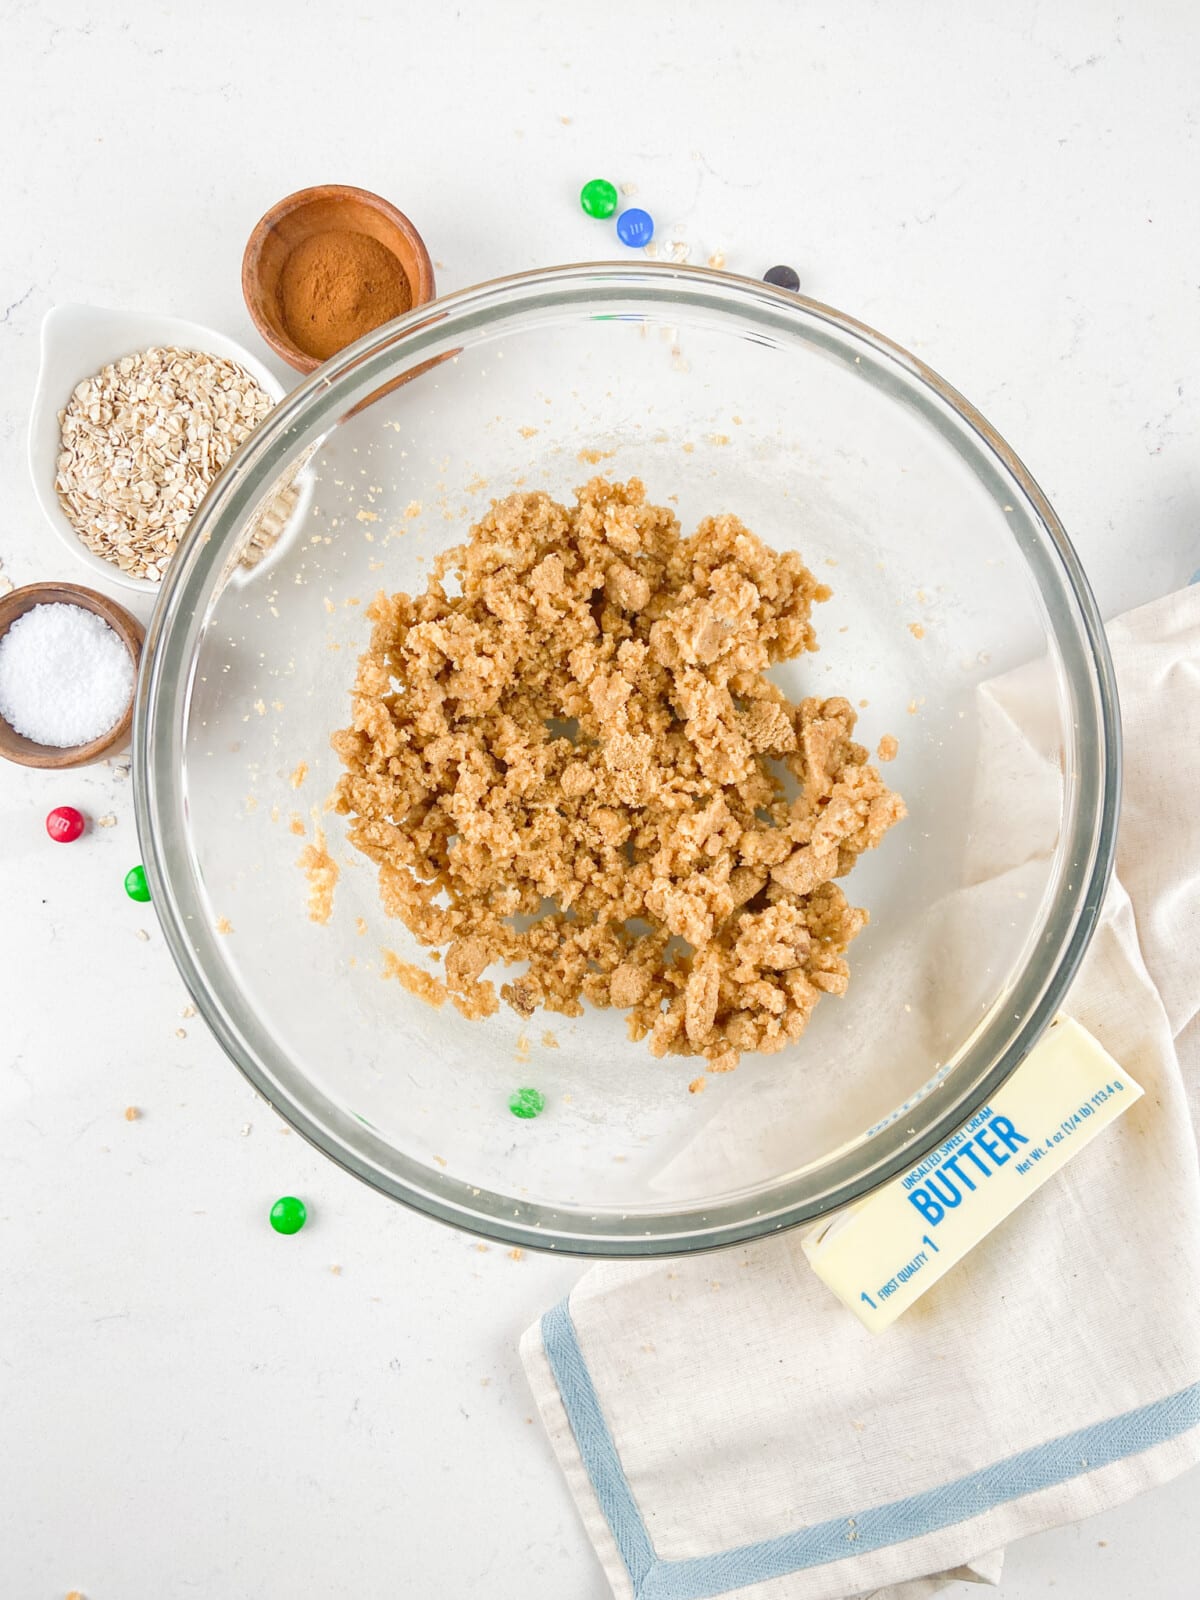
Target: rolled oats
{"type": "Point", "coordinates": [142, 441]}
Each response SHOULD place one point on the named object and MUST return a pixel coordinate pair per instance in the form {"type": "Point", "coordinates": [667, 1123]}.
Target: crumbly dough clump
{"type": "Point", "coordinates": [322, 872]}
{"type": "Point", "coordinates": [568, 755]}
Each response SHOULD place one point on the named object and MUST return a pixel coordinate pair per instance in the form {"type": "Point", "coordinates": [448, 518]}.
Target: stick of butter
{"type": "Point", "coordinates": [881, 1254]}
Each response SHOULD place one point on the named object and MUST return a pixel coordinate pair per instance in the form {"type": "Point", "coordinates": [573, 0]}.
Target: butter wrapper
{"type": "Point", "coordinates": [882, 1254]}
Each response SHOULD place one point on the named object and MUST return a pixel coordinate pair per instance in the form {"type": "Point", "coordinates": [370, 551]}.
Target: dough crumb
{"type": "Point", "coordinates": [132, 1113]}
{"type": "Point", "coordinates": [568, 758]}
{"type": "Point", "coordinates": [322, 872]}
{"type": "Point", "coordinates": [415, 979]}
{"type": "Point", "coordinates": [299, 775]}
{"type": "Point", "coordinates": [549, 1042]}
{"type": "Point", "coordinates": [296, 824]}
{"type": "Point", "coordinates": [888, 748]}
{"type": "Point", "coordinates": [223, 925]}
{"type": "Point", "coordinates": [917, 630]}
{"type": "Point", "coordinates": [108, 820]}
{"type": "Point", "coordinates": [697, 1085]}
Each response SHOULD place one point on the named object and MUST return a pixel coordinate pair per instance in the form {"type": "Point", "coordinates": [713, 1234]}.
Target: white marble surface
{"type": "Point", "coordinates": [191, 1405]}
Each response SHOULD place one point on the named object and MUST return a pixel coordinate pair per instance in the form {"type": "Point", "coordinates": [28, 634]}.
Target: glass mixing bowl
{"type": "Point", "coordinates": [949, 569]}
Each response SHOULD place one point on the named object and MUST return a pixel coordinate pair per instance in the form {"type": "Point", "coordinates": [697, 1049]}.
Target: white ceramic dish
{"type": "Point", "coordinates": [78, 340]}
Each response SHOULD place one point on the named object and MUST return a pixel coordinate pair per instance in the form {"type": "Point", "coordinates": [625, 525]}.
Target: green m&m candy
{"type": "Point", "coordinates": [288, 1215]}
{"type": "Point", "coordinates": [136, 886]}
{"type": "Point", "coordinates": [598, 198]}
{"type": "Point", "coordinates": [526, 1102]}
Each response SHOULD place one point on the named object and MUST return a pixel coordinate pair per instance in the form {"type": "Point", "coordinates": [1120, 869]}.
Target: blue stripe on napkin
{"type": "Point", "coordinates": [899, 1520]}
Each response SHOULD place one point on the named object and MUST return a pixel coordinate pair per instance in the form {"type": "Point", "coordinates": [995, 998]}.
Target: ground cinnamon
{"type": "Point", "coordinates": [338, 285]}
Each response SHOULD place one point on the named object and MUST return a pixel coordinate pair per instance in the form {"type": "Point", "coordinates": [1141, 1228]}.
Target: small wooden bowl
{"type": "Point", "coordinates": [25, 752]}
{"type": "Point", "coordinates": [317, 210]}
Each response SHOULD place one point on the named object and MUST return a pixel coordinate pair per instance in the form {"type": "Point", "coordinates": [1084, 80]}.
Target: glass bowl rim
{"type": "Point", "coordinates": [1088, 834]}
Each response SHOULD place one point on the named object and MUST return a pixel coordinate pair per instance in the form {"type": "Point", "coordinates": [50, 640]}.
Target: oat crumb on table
{"type": "Point", "coordinates": [568, 760]}
{"type": "Point", "coordinates": [223, 925]}
{"type": "Point", "coordinates": [132, 1113]}
{"type": "Point", "coordinates": [888, 747]}
{"type": "Point", "coordinates": [299, 775]}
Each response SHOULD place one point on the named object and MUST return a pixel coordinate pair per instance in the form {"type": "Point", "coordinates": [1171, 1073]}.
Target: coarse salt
{"type": "Point", "coordinates": [65, 676]}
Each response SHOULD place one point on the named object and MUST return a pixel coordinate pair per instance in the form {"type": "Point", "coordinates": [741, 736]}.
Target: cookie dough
{"type": "Point", "coordinates": [566, 753]}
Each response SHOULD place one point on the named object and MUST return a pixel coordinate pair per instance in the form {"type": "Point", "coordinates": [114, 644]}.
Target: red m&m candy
{"type": "Point", "coordinates": [64, 824]}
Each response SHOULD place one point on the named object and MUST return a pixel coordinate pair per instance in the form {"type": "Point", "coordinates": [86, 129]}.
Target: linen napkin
{"type": "Point", "coordinates": [727, 1427]}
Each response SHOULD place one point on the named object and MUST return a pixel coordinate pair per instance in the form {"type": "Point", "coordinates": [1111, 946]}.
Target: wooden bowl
{"type": "Point", "coordinates": [25, 752]}
{"type": "Point", "coordinates": [317, 210]}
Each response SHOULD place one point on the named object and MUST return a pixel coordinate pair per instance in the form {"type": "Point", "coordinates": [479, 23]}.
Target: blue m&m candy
{"type": "Point", "coordinates": [635, 227]}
